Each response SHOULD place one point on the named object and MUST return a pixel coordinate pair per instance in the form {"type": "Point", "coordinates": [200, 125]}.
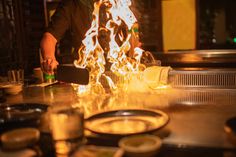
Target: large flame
{"type": "Point", "coordinates": [107, 44]}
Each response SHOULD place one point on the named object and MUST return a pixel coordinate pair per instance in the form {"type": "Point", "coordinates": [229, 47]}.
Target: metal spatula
{"type": "Point", "coordinates": [70, 74]}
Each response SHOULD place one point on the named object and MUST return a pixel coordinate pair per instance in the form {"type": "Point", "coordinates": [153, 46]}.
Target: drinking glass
{"type": "Point", "coordinates": [67, 128]}
{"type": "Point", "coordinates": [16, 76]}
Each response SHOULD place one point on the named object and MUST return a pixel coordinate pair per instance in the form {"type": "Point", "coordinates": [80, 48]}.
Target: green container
{"type": "Point", "coordinates": [49, 78]}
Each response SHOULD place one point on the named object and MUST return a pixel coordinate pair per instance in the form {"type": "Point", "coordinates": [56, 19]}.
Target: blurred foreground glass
{"type": "Point", "coordinates": [16, 76]}
{"type": "Point", "coordinates": [38, 74]}
{"type": "Point", "coordinates": [67, 128]}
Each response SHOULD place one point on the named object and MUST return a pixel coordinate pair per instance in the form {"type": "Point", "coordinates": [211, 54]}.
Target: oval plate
{"type": "Point", "coordinates": [126, 122]}
{"type": "Point", "coordinates": [21, 112]}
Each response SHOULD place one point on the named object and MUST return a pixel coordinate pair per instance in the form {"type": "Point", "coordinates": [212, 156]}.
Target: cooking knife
{"type": "Point", "coordinates": [71, 74]}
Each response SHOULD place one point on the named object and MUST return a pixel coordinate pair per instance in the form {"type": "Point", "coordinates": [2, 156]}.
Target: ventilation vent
{"type": "Point", "coordinates": [206, 78]}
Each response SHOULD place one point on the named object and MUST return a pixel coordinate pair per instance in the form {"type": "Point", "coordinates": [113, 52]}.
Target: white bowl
{"type": "Point", "coordinates": [140, 145]}
{"type": "Point", "coordinates": [13, 89]}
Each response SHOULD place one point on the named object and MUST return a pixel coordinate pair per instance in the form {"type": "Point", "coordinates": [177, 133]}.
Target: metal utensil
{"type": "Point", "coordinates": [70, 74]}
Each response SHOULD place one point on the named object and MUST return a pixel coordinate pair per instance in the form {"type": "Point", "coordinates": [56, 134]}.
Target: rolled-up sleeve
{"type": "Point", "coordinates": [60, 20]}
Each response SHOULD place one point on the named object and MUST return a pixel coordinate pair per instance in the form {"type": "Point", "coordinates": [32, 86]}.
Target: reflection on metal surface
{"type": "Point", "coordinates": [191, 58]}
{"type": "Point", "coordinates": [207, 97]}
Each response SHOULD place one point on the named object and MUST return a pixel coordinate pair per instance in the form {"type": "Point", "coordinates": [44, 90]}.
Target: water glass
{"type": "Point", "coordinates": [67, 128]}
{"type": "Point", "coordinates": [16, 76]}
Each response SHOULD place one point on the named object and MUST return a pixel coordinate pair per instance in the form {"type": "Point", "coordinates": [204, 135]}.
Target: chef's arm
{"type": "Point", "coordinates": [47, 46]}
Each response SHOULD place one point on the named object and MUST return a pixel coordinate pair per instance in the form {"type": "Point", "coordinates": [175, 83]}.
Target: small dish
{"type": "Point", "coordinates": [13, 89]}
{"type": "Point", "coordinates": [19, 138]}
{"type": "Point", "coordinates": [21, 115]}
{"type": "Point", "coordinates": [140, 145]}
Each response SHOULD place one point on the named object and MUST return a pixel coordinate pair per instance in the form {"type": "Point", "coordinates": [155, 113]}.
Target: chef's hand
{"type": "Point", "coordinates": [47, 53]}
{"type": "Point", "coordinates": [49, 65]}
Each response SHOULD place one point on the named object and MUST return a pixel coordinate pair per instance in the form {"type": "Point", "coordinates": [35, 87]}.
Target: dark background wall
{"type": "Point", "coordinates": [21, 26]}
{"type": "Point", "coordinates": [216, 24]}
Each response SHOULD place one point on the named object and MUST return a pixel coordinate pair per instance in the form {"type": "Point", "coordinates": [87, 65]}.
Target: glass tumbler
{"type": "Point", "coordinates": [67, 128]}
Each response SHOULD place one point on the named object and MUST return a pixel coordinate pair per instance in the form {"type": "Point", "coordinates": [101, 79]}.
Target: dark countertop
{"type": "Point", "coordinates": [197, 116]}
